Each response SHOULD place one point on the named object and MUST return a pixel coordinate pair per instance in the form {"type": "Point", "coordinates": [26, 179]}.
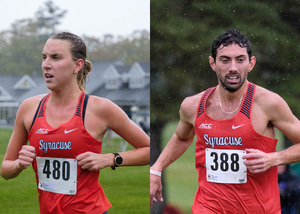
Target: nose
{"type": "Point", "coordinates": [45, 63]}
{"type": "Point", "coordinates": [233, 67]}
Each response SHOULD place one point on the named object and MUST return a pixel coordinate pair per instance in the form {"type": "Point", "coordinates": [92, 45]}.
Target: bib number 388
{"type": "Point", "coordinates": [225, 166]}
{"type": "Point", "coordinates": [58, 175]}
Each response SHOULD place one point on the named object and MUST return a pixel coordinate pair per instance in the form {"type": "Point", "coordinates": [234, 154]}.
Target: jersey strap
{"type": "Point", "coordinates": [40, 112]}
{"type": "Point", "coordinates": [247, 104]}
{"type": "Point", "coordinates": [42, 106]}
{"type": "Point", "coordinates": [84, 106]}
{"type": "Point", "coordinates": [81, 107]}
{"type": "Point", "coordinates": [201, 107]}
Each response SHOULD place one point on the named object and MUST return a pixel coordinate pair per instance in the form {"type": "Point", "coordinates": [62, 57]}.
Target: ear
{"type": "Point", "coordinates": [78, 66]}
{"type": "Point", "coordinates": [212, 63]}
{"type": "Point", "coordinates": [252, 63]}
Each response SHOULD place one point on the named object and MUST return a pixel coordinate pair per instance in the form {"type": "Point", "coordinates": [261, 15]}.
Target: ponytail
{"type": "Point", "coordinates": [82, 75]}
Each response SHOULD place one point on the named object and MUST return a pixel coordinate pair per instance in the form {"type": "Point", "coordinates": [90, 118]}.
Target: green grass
{"type": "Point", "coordinates": [181, 176]}
{"type": "Point", "coordinates": [127, 188]}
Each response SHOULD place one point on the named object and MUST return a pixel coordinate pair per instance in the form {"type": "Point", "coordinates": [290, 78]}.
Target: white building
{"type": "Point", "coordinates": [127, 86]}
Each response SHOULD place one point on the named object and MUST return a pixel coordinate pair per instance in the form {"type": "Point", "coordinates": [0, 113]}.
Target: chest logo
{"type": "Point", "coordinates": [42, 131]}
{"type": "Point", "coordinates": [236, 127]}
{"type": "Point", "coordinates": [205, 126]}
{"type": "Point", "coordinates": [68, 131]}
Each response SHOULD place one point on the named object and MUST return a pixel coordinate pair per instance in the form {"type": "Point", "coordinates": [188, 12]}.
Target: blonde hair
{"type": "Point", "coordinates": [78, 51]}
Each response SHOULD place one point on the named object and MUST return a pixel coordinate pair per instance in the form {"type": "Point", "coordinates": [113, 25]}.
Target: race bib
{"type": "Point", "coordinates": [58, 175]}
{"type": "Point", "coordinates": [225, 166]}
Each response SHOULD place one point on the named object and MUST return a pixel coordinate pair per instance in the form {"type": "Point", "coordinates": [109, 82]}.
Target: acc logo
{"type": "Point", "coordinates": [42, 131]}
{"type": "Point", "coordinates": [205, 126]}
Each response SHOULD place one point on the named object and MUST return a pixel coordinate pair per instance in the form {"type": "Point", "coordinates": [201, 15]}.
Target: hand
{"type": "Point", "coordinates": [94, 161]}
{"type": "Point", "coordinates": [26, 156]}
{"type": "Point", "coordinates": [155, 188]}
{"type": "Point", "coordinates": [258, 161]}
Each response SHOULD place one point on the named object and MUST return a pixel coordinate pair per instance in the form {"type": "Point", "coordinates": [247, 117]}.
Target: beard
{"type": "Point", "coordinates": [232, 87]}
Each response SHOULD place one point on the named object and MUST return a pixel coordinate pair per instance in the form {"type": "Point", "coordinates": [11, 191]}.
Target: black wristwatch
{"type": "Point", "coordinates": [118, 161]}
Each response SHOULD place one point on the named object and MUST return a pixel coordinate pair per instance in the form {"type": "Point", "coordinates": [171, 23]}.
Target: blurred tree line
{"type": "Point", "coordinates": [181, 36]}
{"type": "Point", "coordinates": [22, 44]}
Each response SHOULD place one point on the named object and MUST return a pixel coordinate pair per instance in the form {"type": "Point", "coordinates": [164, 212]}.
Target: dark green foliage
{"type": "Point", "coordinates": [181, 36]}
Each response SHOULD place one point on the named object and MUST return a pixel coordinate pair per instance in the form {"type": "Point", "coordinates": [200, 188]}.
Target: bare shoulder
{"type": "Point", "coordinates": [30, 103]}
{"type": "Point", "coordinates": [102, 106]}
{"type": "Point", "coordinates": [270, 105]}
{"type": "Point", "coordinates": [103, 113]}
{"type": "Point", "coordinates": [27, 111]}
{"type": "Point", "coordinates": [36, 98]}
{"type": "Point", "coordinates": [99, 103]}
{"type": "Point", "coordinates": [188, 108]}
{"type": "Point", "coordinates": [266, 98]}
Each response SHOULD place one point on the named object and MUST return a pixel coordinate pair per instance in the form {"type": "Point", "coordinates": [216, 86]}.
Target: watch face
{"type": "Point", "coordinates": [119, 160]}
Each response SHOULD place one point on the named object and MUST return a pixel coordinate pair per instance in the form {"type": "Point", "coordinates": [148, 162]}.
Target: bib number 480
{"type": "Point", "coordinates": [58, 175]}
{"type": "Point", "coordinates": [57, 170]}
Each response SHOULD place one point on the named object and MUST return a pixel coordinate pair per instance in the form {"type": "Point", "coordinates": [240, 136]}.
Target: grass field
{"type": "Point", "coordinates": [127, 188]}
{"type": "Point", "coordinates": [181, 176]}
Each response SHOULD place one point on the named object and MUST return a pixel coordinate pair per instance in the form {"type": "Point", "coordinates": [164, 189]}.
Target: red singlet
{"type": "Point", "coordinates": [62, 185]}
{"type": "Point", "coordinates": [259, 194]}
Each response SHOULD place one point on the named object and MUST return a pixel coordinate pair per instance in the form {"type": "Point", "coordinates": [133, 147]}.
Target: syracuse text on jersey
{"type": "Point", "coordinates": [222, 141]}
{"type": "Point", "coordinates": [62, 145]}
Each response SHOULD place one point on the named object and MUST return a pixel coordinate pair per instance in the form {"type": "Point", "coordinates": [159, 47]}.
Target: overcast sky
{"type": "Point", "coordinates": [88, 17]}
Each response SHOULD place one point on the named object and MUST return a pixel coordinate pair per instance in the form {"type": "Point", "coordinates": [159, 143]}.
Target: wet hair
{"type": "Point", "coordinates": [78, 51]}
{"type": "Point", "coordinates": [231, 37]}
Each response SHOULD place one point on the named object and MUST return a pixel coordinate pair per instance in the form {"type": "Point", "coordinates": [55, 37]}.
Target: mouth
{"type": "Point", "coordinates": [48, 76]}
{"type": "Point", "coordinates": [233, 79]}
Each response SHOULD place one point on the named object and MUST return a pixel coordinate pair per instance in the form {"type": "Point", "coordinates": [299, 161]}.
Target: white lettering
{"type": "Point", "coordinates": [60, 145]}
{"type": "Point", "coordinates": [205, 126]}
{"type": "Point", "coordinates": [223, 141]}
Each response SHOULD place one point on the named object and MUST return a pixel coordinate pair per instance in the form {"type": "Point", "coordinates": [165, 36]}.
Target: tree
{"type": "Point", "coordinates": [135, 48]}
{"type": "Point", "coordinates": [48, 17]}
{"type": "Point", "coordinates": [20, 52]}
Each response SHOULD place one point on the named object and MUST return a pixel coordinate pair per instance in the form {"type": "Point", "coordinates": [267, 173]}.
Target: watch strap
{"type": "Point", "coordinates": [116, 155]}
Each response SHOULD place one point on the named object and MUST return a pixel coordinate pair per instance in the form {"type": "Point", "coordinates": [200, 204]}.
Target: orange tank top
{"type": "Point", "coordinates": [62, 185]}
{"type": "Point", "coordinates": [225, 185]}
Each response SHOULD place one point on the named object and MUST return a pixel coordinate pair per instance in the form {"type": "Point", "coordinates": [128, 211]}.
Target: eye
{"type": "Point", "coordinates": [224, 60]}
{"type": "Point", "coordinates": [55, 57]}
{"type": "Point", "coordinates": [44, 57]}
{"type": "Point", "coordinates": [240, 60]}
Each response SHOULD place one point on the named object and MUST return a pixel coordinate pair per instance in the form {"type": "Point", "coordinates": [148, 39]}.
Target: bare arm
{"type": "Point", "coordinates": [18, 156]}
{"type": "Point", "coordinates": [177, 145]}
{"type": "Point", "coordinates": [280, 115]}
{"type": "Point", "coordinates": [289, 125]}
{"type": "Point", "coordinates": [120, 123]}
{"type": "Point", "coordinates": [183, 136]}
{"type": "Point", "coordinates": [113, 117]}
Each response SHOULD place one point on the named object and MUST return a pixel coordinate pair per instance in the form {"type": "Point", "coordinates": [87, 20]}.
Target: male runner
{"type": "Point", "coordinates": [234, 122]}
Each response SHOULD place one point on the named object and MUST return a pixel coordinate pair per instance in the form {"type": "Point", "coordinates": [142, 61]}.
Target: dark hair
{"type": "Point", "coordinates": [230, 37]}
{"type": "Point", "coordinates": [78, 51]}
